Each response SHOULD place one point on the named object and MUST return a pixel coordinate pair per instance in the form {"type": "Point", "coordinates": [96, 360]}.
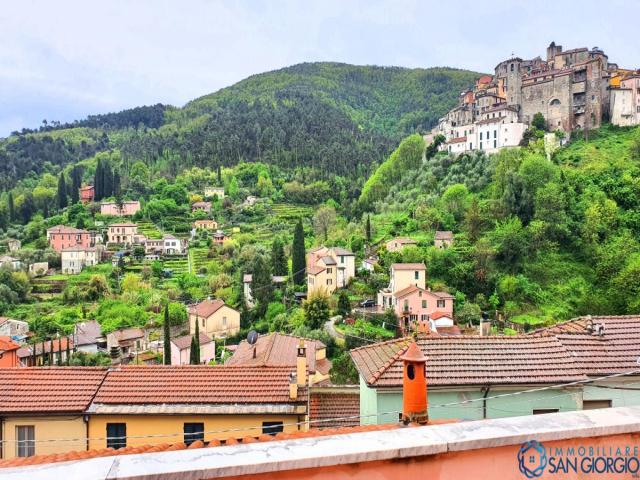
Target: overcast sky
{"type": "Point", "coordinates": [63, 60]}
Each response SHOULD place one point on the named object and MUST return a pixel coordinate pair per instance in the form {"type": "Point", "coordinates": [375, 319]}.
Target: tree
{"type": "Point", "coordinates": [279, 262]}
{"type": "Point", "coordinates": [194, 354]}
{"type": "Point", "coordinates": [11, 209]}
{"type": "Point", "coordinates": [539, 122]}
{"type": "Point", "coordinates": [324, 220]}
{"type": "Point", "coordinates": [76, 183]}
{"type": "Point", "coordinates": [368, 229]}
{"type": "Point", "coordinates": [344, 305]}
{"type": "Point", "coordinates": [469, 314]}
{"type": "Point", "coordinates": [343, 371]}
{"type": "Point", "coordinates": [298, 255]}
{"type": "Point", "coordinates": [261, 285]}
{"type": "Point", "coordinates": [28, 208]}
{"type": "Point", "coordinates": [166, 327]}
{"type": "Point", "coordinates": [62, 191]}
{"type": "Point", "coordinates": [316, 310]}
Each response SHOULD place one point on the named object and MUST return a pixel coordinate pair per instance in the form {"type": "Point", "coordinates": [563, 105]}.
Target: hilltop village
{"type": "Point", "coordinates": [151, 308]}
{"type": "Point", "coordinates": [572, 90]}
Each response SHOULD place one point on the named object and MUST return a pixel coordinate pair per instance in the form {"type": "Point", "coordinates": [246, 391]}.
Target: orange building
{"type": "Point", "coordinates": [8, 352]}
{"type": "Point", "coordinates": [87, 194]}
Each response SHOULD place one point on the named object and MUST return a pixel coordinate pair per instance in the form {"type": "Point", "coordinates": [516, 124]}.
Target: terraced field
{"type": "Point", "coordinates": [198, 258]}
{"type": "Point", "coordinates": [177, 265]}
{"type": "Point", "coordinates": [149, 230]}
{"type": "Point", "coordinates": [287, 211]}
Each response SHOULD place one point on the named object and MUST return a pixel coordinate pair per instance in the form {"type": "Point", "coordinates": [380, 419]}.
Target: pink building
{"type": "Point", "coordinates": [61, 237]}
{"type": "Point", "coordinates": [181, 349]}
{"type": "Point", "coordinates": [126, 209]}
{"type": "Point", "coordinates": [413, 304]}
{"type": "Point", "coordinates": [87, 193]}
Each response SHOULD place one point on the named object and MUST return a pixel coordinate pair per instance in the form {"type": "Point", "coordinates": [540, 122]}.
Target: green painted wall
{"type": "Point", "coordinates": [619, 397]}
{"type": "Point", "coordinates": [384, 401]}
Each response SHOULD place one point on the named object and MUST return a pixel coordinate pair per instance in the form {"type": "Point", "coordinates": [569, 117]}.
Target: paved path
{"type": "Point", "coordinates": [330, 328]}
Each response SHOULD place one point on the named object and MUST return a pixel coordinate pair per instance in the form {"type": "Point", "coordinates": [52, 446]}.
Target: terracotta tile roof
{"type": "Point", "coordinates": [196, 384]}
{"type": "Point", "coordinates": [457, 140]}
{"type": "Point", "coordinates": [330, 406]}
{"type": "Point", "coordinates": [460, 360]}
{"type": "Point", "coordinates": [453, 330]}
{"type": "Point", "coordinates": [185, 341]}
{"type": "Point", "coordinates": [444, 235]}
{"type": "Point", "coordinates": [328, 260]}
{"type": "Point", "coordinates": [57, 346]}
{"type": "Point", "coordinates": [407, 291]}
{"type": "Point", "coordinates": [315, 270]}
{"type": "Point", "coordinates": [342, 251]}
{"type": "Point", "coordinates": [48, 389]}
{"type": "Point", "coordinates": [277, 349]}
{"type": "Point", "coordinates": [408, 266]}
{"type": "Point", "coordinates": [442, 294]}
{"type": "Point", "coordinates": [8, 345]}
{"type": "Point", "coordinates": [206, 308]}
{"type": "Point", "coordinates": [65, 229]}
{"type": "Point", "coordinates": [166, 447]}
{"type": "Point", "coordinates": [616, 350]}
{"type": "Point", "coordinates": [403, 240]}
{"type": "Point", "coordinates": [126, 334]}
{"type": "Point", "coordinates": [124, 224]}
{"type": "Point", "coordinates": [87, 333]}
{"type": "Point", "coordinates": [437, 315]}
{"type": "Point", "coordinates": [490, 120]}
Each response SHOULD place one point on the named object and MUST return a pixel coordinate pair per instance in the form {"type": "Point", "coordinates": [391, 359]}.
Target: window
{"type": "Point", "coordinates": [411, 371]}
{"type": "Point", "coordinates": [638, 108]}
{"type": "Point", "coordinates": [512, 67]}
{"type": "Point", "coordinates": [271, 428]}
{"type": "Point", "coordinates": [593, 404]}
{"type": "Point", "coordinates": [495, 142]}
{"type": "Point", "coordinates": [424, 304]}
{"type": "Point", "coordinates": [495, 134]}
{"type": "Point", "coordinates": [406, 306]}
{"type": "Point", "coordinates": [224, 321]}
{"type": "Point", "coordinates": [471, 144]}
{"type": "Point", "coordinates": [116, 435]}
{"type": "Point", "coordinates": [542, 411]}
{"type": "Point", "coordinates": [481, 143]}
{"type": "Point", "coordinates": [26, 445]}
{"type": "Point", "coordinates": [416, 274]}
{"type": "Point", "coordinates": [329, 270]}
{"type": "Point", "coordinates": [424, 317]}
{"type": "Point", "coordinates": [440, 303]}
{"type": "Point", "coordinates": [555, 102]}
{"type": "Point", "coordinates": [329, 281]}
{"type": "Point", "coordinates": [480, 137]}
{"type": "Point", "coordinates": [203, 320]}
{"type": "Point", "coordinates": [193, 432]}
{"type": "Point", "coordinates": [341, 258]}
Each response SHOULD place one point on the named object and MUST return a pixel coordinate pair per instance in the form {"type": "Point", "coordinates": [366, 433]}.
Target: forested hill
{"type": "Point", "coordinates": [320, 119]}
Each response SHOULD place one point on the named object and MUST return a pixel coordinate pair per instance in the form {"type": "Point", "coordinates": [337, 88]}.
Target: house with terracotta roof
{"type": "Point", "coordinates": [87, 194]}
{"type": "Point", "coordinates": [120, 209]}
{"type": "Point", "coordinates": [129, 342]}
{"type": "Point", "coordinates": [205, 224]}
{"type": "Point", "coordinates": [281, 349]}
{"type": "Point", "coordinates": [181, 349]}
{"type": "Point", "coordinates": [87, 337]}
{"type": "Point", "coordinates": [124, 234]}
{"type": "Point", "coordinates": [334, 406]}
{"type": "Point", "coordinates": [75, 259]}
{"type": "Point", "coordinates": [47, 352]}
{"type": "Point", "coordinates": [216, 319]}
{"type": "Point", "coordinates": [220, 237]}
{"type": "Point", "coordinates": [43, 408]}
{"type": "Point", "coordinates": [398, 243]}
{"type": "Point", "coordinates": [443, 239]}
{"type": "Point", "coordinates": [61, 237]}
{"type": "Point", "coordinates": [201, 206]}
{"type": "Point", "coordinates": [329, 268]}
{"type": "Point", "coordinates": [13, 245]}
{"type": "Point", "coordinates": [8, 352]}
{"type": "Point", "coordinates": [409, 298]}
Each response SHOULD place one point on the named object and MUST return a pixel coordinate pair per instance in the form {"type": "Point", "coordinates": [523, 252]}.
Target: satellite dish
{"type": "Point", "coordinates": [252, 337]}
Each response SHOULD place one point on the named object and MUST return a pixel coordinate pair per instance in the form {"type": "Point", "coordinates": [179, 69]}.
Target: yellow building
{"type": "Point", "coordinates": [42, 409]}
{"type": "Point", "coordinates": [205, 224]}
{"type": "Point", "coordinates": [329, 269]}
{"type": "Point", "coordinates": [215, 318]}
{"type": "Point", "coordinates": [65, 409]}
{"type": "Point", "coordinates": [142, 405]}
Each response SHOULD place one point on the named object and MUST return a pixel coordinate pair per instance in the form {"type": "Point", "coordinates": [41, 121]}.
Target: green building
{"type": "Point", "coordinates": [468, 376]}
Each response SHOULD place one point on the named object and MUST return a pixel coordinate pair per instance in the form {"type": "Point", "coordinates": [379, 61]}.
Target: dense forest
{"type": "Point", "coordinates": [320, 119]}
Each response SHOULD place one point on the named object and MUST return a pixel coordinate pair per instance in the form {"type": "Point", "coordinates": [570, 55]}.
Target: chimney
{"type": "Point", "coordinates": [414, 385]}
{"type": "Point", "coordinates": [293, 387]}
{"type": "Point", "coordinates": [301, 364]}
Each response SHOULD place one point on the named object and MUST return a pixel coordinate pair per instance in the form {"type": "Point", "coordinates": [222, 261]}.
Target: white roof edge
{"type": "Point", "coordinates": [318, 452]}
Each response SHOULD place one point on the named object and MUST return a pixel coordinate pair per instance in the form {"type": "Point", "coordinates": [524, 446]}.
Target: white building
{"type": "Point", "coordinates": [173, 246]}
{"type": "Point", "coordinates": [625, 102]}
{"type": "Point", "coordinates": [16, 329]}
{"type": "Point", "coordinates": [10, 262]}
{"type": "Point", "coordinates": [74, 259]}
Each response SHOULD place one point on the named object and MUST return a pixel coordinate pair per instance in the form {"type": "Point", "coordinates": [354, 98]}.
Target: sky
{"type": "Point", "coordinates": [63, 60]}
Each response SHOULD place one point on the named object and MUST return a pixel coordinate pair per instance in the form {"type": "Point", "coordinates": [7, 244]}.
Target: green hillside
{"type": "Point", "coordinates": [539, 240]}
{"type": "Point", "coordinates": [320, 118]}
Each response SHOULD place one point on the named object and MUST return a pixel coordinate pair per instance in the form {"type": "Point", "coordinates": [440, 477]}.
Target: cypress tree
{"type": "Point", "coordinates": [98, 181]}
{"type": "Point", "coordinates": [45, 210]}
{"type": "Point", "coordinates": [194, 354]}
{"type": "Point", "coordinates": [28, 207]}
{"type": "Point", "coordinates": [261, 285]}
{"type": "Point", "coordinates": [167, 336]}
{"type": "Point", "coordinates": [278, 258]}
{"type": "Point", "coordinates": [368, 229]}
{"type": "Point", "coordinates": [298, 255]}
{"type": "Point", "coordinates": [219, 174]}
{"type": "Point", "coordinates": [62, 192]}
{"type": "Point", "coordinates": [107, 181]}
{"type": "Point", "coordinates": [76, 183]}
{"type": "Point", "coordinates": [11, 207]}
{"type": "Point", "coordinates": [116, 185]}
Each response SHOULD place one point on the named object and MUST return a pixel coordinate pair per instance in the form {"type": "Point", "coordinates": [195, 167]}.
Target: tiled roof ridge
{"type": "Point", "coordinates": [377, 344]}
{"type": "Point", "coordinates": [388, 364]}
{"type": "Point", "coordinates": [272, 341]}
